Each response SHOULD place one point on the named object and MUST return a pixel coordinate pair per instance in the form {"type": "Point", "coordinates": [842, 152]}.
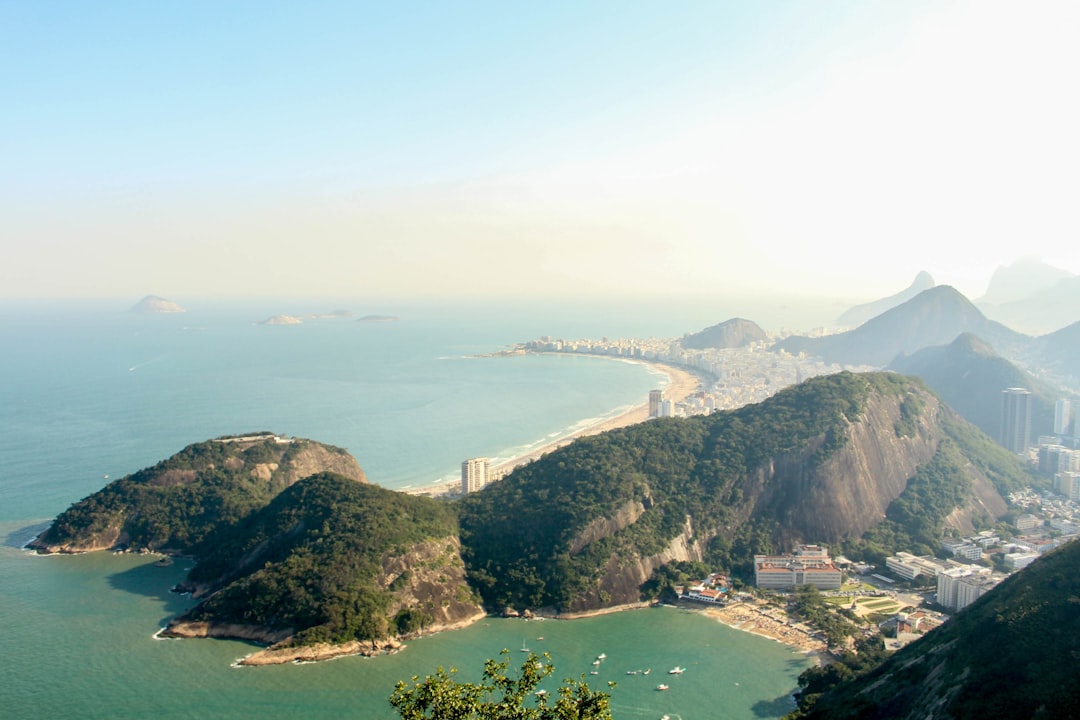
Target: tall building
{"type": "Point", "coordinates": [1068, 484]}
{"type": "Point", "coordinates": [1062, 415]}
{"type": "Point", "coordinates": [1015, 419]}
{"type": "Point", "coordinates": [656, 402]}
{"type": "Point", "coordinates": [474, 474]}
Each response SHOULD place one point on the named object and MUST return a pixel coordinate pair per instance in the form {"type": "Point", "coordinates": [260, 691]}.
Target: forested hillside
{"type": "Point", "coordinates": [822, 461]}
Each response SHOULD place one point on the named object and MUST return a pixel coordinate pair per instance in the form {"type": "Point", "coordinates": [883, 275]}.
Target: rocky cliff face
{"type": "Point", "coordinates": [849, 491]}
{"type": "Point", "coordinates": [621, 578]}
{"type": "Point", "coordinates": [430, 578]}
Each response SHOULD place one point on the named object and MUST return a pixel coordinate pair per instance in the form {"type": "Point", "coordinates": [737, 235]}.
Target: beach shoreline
{"type": "Point", "coordinates": [682, 383]}
{"type": "Point", "coordinates": [761, 620]}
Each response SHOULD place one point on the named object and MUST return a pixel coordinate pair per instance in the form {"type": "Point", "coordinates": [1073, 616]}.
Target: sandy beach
{"type": "Point", "coordinates": [768, 621]}
{"type": "Point", "coordinates": [681, 384]}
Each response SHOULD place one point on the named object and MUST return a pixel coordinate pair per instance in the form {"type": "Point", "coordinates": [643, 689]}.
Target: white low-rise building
{"type": "Point", "coordinates": [909, 567]}
{"type": "Point", "coordinates": [810, 565]}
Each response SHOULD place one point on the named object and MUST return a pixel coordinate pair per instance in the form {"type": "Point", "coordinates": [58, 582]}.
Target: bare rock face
{"type": "Point", "coordinates": [430, 578]}
{"type": "Point", "coordinates": [849, 492]}
{"type": "Point", "coordinates": [622, 577]}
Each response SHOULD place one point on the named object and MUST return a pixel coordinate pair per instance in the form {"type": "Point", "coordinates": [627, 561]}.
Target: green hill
{"type": "Point", "coordinates": [1013, 654]}
{"type": "Point", "coordinates": [825, 461]}
{"type": "Point", "coordinates": [330, 560]}
{"type": "Point", "coordinates": [174, 505]}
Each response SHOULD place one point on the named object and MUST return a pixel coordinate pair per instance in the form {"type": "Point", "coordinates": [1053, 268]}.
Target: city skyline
{"type": "Point", "coordinates": [827, 149]}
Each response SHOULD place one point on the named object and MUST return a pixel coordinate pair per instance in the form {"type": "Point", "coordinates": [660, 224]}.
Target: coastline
{"type": "Point", "coordinates": [682, 383]}
{"type": "Point", "coordinates": [772, 623]}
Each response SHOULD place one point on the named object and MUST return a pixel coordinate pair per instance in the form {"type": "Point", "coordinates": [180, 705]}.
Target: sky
{"type": "Point", "coordinates": [496, 149]}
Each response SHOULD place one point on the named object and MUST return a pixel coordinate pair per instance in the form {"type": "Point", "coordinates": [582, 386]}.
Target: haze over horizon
{"type": "Point", "coordinates": [334, 148]}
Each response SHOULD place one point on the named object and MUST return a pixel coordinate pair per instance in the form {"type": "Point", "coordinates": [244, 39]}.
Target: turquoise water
{"type": "Point", "coordinates": [91, 391]}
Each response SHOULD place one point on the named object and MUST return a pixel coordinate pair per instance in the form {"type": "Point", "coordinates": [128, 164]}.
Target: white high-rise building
{"type": "Point", "coordinates": [474, 474]}
{"type": "Point", "coordinates": [1062, 415]}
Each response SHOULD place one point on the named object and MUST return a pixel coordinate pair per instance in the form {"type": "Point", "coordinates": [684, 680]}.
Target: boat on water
{"type": "Point", "coordinates": [601, 656]}
{"type": "Point", "coordinates": [593, 672]}
{"type": "Point", "coordinates": [646, 672]}
{"type": "Point", "coordinates": [595, 662]}
{"type": "Point", "coordinates": [661, 686]}
{"type": "Point", "coordinates": [676, 670]}
{"type": "Point", "coordinates": [523, 647]}
{"type": "Point", "coordinates": [631, 672]}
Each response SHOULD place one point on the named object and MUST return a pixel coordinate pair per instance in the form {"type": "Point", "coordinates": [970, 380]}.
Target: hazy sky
{"type": "Point", "coordinates": [340, 148]}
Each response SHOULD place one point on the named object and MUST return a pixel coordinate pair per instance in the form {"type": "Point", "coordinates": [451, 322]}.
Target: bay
{"type": "Point", "coordinates": [91, 390]}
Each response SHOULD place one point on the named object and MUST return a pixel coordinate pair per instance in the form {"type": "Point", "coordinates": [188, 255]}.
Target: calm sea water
{"type": "Point", "coordinates": [91, 390]}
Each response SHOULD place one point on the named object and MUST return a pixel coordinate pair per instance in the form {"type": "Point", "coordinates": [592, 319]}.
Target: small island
{"type": "Point", "coordinates": [281, 320]}
{"type": "Point", "coordinates": [155, 304]}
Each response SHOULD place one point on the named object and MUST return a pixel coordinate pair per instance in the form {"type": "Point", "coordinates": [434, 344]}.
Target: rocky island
{"type": "Point", "coordinates": [155, 304]}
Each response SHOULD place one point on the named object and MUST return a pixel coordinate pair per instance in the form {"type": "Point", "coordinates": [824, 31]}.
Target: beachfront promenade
{"type": "Point", "coordinates": [682, 383]}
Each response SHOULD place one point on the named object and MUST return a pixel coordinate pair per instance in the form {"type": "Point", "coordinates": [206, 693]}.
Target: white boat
{"type": "Point", "coordinates": [601, 656]}
{"type": "Point", "coordinates": [523, 648]}
{"type": "Point", "coordinates": [661, 686]}
{"type": "Point", "coordinates": [595, 662]}
{"type": "Point", "coordinates": [676, 670]}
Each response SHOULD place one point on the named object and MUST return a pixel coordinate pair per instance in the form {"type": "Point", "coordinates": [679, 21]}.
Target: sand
{"type": "Point", "coordinates": [681, 384]}
{"type": "Point", "coordinates": [762, 620]}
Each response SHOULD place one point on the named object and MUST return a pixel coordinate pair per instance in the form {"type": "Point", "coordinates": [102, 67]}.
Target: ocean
{"type": "Point", "coordinates": [91, 392]}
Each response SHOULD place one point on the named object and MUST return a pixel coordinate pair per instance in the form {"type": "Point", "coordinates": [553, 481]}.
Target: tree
{"type": "Point", "coordinates": [499, 696]}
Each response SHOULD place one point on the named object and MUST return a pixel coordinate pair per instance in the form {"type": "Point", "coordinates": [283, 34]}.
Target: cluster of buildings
{"type": "Point", "coordinates": [737, 376]}
{"type": "Point", "coordinates": [808, 565]}
{"type": "Point", "coordinates": [715, 589]}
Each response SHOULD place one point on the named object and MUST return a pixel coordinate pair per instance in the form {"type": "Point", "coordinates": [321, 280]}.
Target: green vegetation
{"type": "Point", "coordinates": [176, 504]}
{"type": "Point", "coordinates": [1011, 654]}
{"type": "Point", "coordinates": [867, 655]}
{"type": "Point", "coordinates": [500, 697]}
{"type": "Point", "coordinates": [523, 536]}
{"type": "Point", "coordinates": [310, 561]}
{"type": "Point", "coordinates": [809, 605]}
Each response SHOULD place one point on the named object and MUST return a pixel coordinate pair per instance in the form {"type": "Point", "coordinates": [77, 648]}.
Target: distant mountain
{"type": "Point", "coordinates": [734, 333]}
{"type": "Point", "coordinates": [859, 314]}
{"type": "Point", "coordinates": [1032, 297]}
{"type": "Point", "coordinates": [1046, 310]}
{"type": "Point", "coordinates": [1023, 279]}
{"type": "Point", "coordinates": [155, 304]}
{"type": "Point", "coordinates": [1011, 655]}
{"type": "Point", "coordinates": [1059, 354]}
{"type": "Point", "coordinates": [933, 317]}
{"type": "Point", "coordinates": [970, 376]}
